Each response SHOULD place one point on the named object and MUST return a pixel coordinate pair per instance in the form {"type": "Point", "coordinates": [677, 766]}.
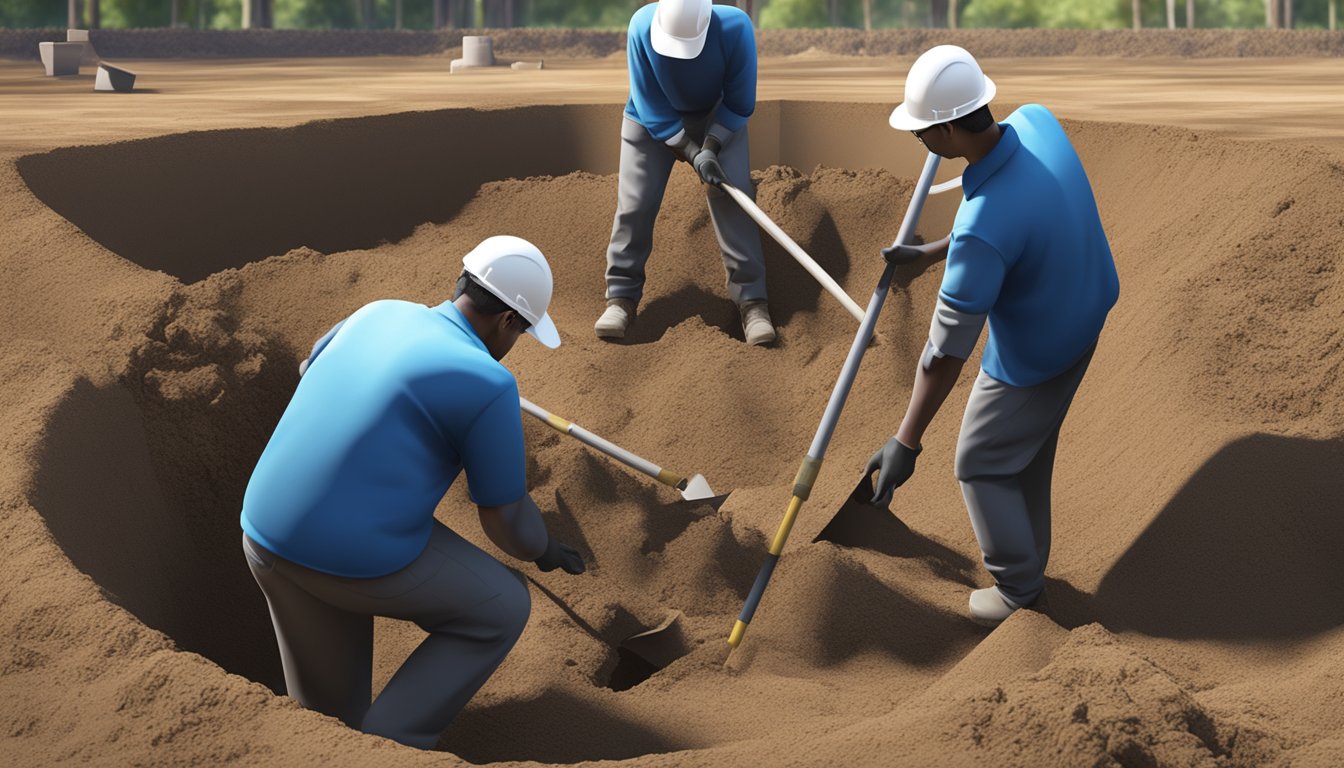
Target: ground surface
{"type": "Point", "coordinates": [157, 295]}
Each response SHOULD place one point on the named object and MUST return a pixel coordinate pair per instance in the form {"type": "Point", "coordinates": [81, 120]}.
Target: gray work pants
{"type": "Point", "coordinates": [472, 606]}
{"type": "Point", "coordinates": [1005, 458]}
{"type": "Point", "coordinates": [646, 164]}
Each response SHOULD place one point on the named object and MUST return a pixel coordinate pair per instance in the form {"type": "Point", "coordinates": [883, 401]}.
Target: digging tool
{"type": "Point", "coordinates": [693, 488]}
{"type": "Point", "coordinates": [639, 655]}
{"type": "Point", "coordinates": [898, 253]}
{"type": "Point", "coordinates": [794, 249]}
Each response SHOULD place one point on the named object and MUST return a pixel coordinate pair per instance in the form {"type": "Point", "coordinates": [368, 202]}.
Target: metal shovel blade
{"type": "Point", "coordinates": [864, 525]}
{"type": "Point", "coordinates": [697, 489]}
{"type": "Point", "coordinates": [640, 656]}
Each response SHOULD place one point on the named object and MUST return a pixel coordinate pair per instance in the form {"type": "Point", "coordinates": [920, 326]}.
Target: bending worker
{"type": "Point", "coordinates": [338, 517]}
{"type": "Point", "coordinates": [1028, 253]}
{"type": "Point", "coordinates": [692, 89]}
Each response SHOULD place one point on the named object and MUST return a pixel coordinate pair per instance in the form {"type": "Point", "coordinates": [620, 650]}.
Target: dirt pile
{"type": "Point", "coordinates": [1193, 614]}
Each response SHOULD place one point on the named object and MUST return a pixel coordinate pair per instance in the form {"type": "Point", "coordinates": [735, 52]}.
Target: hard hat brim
{"type": "Point", "coordinates": [666, 44]}
{"type": "Point", "coordinates": [902, 120]}
{"type": "Point", "coordinates": [545, 332]}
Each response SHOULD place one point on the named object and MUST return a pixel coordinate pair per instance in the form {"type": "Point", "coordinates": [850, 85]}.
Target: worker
{"type": "Point", "coordinates": [1028, 254]}
{"type": "Point", "coordinates": [692, 89]}
{"type": "Point", "coordinates": [338, 517]}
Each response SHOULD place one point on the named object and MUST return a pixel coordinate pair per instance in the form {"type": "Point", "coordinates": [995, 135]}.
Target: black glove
{"type": "Point", "coordinates": [706, 163]}
{"type": "Point", "coordinates": [559, 555]}
{"type": "Point", "coordinates": [897, 463]}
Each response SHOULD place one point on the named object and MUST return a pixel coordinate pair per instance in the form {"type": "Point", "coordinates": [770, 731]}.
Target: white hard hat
{"type": "Point", "coordinates": [680, 27]}
{"type": "Point", "coordinates": [944, 83]}
{"type": "Point", "coordinates": [516, 272]}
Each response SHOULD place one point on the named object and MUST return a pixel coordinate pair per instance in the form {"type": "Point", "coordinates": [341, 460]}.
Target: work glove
{"type": "Point", "coordinates": [686, 150]}
{"type": "Point", "coordinates": [558, 555]}
{"type": "Point", "coordinates": [897, 464]}
{"type": "Point", "coordinates": [706, 163]}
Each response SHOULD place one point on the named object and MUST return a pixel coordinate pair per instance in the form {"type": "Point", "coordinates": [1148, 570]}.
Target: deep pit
{"type": "Point", "coordinates": [277, 234]}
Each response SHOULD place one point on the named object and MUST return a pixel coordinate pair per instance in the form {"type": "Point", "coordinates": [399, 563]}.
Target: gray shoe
{"type": "Point", "coordinates": [756, 325]}
{"type": "Point", "coordinates": [989, 606]}
{"type": "Point", "coordinates": [616, 318]}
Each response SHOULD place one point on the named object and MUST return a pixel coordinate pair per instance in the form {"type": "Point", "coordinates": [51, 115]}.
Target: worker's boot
{"type": "Point", "coordinates": [989, 606]}
{"type": "Point", "coordinates": [616, 318]}
{"type": "Point", "coordinates": [756, 325]}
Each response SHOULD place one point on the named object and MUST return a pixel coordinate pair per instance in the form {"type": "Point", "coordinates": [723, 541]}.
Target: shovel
{"type": "Point", "coordinates": [794, 250]}
{"type": "Point", "coordinates": [898, 253]}
{"type": "Point", "coordinates": [797, 252]}
{"type": "Point", "coordinates": [639, 656]}
{"type": "Point", "coordinates": [693, 488]}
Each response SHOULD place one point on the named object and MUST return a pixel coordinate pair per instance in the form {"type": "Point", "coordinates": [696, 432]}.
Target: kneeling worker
{"type": "Point", "coordinates": [338, 518]}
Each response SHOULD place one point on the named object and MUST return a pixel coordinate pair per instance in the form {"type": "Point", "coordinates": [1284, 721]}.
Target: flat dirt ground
{"type": "Point", "coordinates": [167, 257]}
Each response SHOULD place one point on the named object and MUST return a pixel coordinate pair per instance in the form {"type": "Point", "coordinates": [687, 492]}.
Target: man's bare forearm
{"type": "Point", "coordinates": [931, 388]}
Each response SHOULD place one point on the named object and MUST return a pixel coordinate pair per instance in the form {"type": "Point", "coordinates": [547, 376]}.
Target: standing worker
{"type": "Point", "coordinates": [1027, 252]}
{"type": "Point", "coordinates": [338, 517]}
{"type": "Point", "coordinates": [692, 89]}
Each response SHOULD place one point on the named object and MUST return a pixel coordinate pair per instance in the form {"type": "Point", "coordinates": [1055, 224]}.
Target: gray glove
{"type": "Point", "coordinates": [686, 150]}
{"type": "Point", "coordinates": [897, 464]}
{"type": "Point", "coordinates": [559, 555]}
{"type": "Point", "coordinates": [706, 163]}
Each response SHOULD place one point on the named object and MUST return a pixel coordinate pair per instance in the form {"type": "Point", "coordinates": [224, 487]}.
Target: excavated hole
{"type": "Point", "coordinates": [141, 479]}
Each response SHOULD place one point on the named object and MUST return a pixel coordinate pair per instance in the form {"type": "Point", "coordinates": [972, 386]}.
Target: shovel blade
{"type": "Point", "coordinates": [863, 524]}
{"type": "Point", "coordinates": [641, 656]}
{"type": "Point", "coordinates": [697, 489]}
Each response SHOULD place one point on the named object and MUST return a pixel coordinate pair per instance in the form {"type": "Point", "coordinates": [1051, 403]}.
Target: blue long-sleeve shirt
{"type": "Point", "coordinates": [662, 88]}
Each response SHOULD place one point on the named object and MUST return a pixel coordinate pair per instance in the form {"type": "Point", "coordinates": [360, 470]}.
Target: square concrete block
{"type": "Point", "coordinates": [90, 57]}
{"type": "Point", "coordinates": [526, 65]}
{"type": "Point", "coordinates": [61, 59]}
{"type": "Point", "coordinates": [112, 78]}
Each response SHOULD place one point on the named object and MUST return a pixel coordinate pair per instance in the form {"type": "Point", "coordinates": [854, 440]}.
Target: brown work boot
{"type": "Point", "coordinates": [616, 318]}
{"type": "Point", "coordinates": [756, 325]}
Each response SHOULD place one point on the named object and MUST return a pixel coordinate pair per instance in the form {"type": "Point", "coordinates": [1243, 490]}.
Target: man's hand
{"type": "Point", "coordinates": [897, 463]}
{"type": "Point", "coordinates": [706, 163]}
{"type": "Point", "coordinates": [558, 555]}
{"type": "Point", "coordinates": [686, 150]}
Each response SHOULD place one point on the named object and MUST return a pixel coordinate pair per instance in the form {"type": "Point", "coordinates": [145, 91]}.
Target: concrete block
{"type": "Point", "coordinates": [477, 51]}
{"type": "Point", "coordinates": [111, 78]}
{"type": "Point", "coordinates": [527, 65]}
{"type": "Point", "coordinates": [61, 59]}
{"type": "Point", "coordinates": [90, 57]}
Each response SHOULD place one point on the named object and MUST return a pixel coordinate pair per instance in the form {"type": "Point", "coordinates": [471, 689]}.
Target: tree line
{"type": "Point", "coordinates": [494, 14]}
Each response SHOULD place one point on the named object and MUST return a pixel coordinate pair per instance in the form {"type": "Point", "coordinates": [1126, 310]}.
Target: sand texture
{"type": "Point", "coordinates": [158, 294]}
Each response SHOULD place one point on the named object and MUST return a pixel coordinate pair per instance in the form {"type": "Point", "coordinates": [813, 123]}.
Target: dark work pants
{"type": "Point", "coordinates": [472, 606]}
{"type": "Point", "coordinates": [1005, 460]}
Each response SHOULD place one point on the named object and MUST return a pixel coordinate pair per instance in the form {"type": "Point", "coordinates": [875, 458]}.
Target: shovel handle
{"type": "Point", "coordinates": [811, 467]}
{"type": "Point", "coordinates": [566, 427]}
{"type": "Point", "coordinates": [794, 249]}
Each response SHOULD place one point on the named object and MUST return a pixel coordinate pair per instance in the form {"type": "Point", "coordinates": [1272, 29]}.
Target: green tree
{"type": "Point", "coordinates": [1062, 14]}
{"type": "Point", "coordinates": [31, 13]}
{"type": "Point", "coordinates": [786, 14]}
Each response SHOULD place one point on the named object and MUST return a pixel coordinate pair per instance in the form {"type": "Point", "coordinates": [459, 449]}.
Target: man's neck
{"type": "Point", "coordinates": [475, 319]}
{"type": "Point", "coordinates": [983, 143]}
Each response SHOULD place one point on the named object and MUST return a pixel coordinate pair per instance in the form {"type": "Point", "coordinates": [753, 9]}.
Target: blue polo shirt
{"type": "Point", "coordinates": [1028, 249]}
{"type": "Point", "coordinates": [396, 402]}
{"type": "Point", "coordinates": [662, 88]}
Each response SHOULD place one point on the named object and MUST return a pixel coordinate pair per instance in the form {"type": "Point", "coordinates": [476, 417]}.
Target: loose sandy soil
{"type": "Point", "coordinates": [157, 295]}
